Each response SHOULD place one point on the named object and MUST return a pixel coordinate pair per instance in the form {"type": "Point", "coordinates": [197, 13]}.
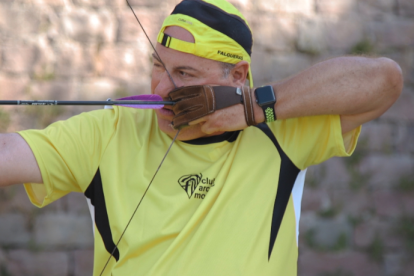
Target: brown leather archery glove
{"type": "Point", "coordinates": [194, 102]}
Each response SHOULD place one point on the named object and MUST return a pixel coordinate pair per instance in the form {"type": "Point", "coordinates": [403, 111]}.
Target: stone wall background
{"type": "Point", "coordinates": [358, 212]}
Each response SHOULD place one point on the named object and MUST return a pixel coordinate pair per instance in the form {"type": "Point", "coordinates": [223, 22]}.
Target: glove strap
{"type": "Point", "coordinates": [226, 96]}
{"type": "Point", "coordinates": [248, 106]}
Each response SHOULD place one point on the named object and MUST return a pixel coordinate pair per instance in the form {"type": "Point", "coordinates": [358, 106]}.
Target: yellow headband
{"type": "Point", "coordinates": [212, 41]}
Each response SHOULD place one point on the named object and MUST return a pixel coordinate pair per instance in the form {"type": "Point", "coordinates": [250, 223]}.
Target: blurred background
{"type": "Point", "coordinates": [358, 212]}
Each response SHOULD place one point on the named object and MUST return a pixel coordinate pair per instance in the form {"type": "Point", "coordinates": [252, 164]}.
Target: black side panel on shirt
{"type": "Point", "coordinates": [96, 195]}
{"type": "Point", "coordinates": [287, 178]}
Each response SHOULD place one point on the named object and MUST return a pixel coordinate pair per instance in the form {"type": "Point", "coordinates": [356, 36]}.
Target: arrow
{"type": "Point", "coordinates": [137, 101]}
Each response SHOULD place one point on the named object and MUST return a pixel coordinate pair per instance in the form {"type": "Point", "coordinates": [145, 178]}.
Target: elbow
{"type": "Point", "coordinates": [392, 78]}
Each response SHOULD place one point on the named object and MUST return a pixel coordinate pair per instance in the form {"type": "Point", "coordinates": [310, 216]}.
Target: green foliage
{"type": "Point", "coordinates": [45, 76]}
{"type": "Point", "coordinates": [364, 47]}
{"type": "Point", "coordinates": [309, 51]}
{"type": "Point", "coordinates": [405, 229]}
{"type": "Point", "coordinates": [337, 272]}
{"type": "Point", "coordinates": [340, 244]}
{"type": "Point", "coordinates": [4, 271]}
{"type": "Point", "coordinates": [376, 249]}
{"type": "Point", "coordinates": [309, 238]}
{"type": "Point", "coordinates": [8, 193]}
{"type": "Point", "coordinates": [314, 177]}
{"type": "Point", "coordinates": [34, 247]}
{"type": "Point", "coordinates": [406, 183]}
{"type": "Point", "coordinates": [311, 182]}
{"type": "Point", "coordinates": [355, 158]}
{"type": "Point", "coordinates": [328, 213]}
{"type": "Point", "coordinates": [357, 179]}
{"type": "Point", "coordinates": [121, 92]}
{"type": "Point", "coordinates": [4, 120]}
{"type": "Point", "coordinates": [352, 163]}
{"type": "Point", "coordinates": [355, 220]}
{"type": "Point", "coordinates": [43, 115]}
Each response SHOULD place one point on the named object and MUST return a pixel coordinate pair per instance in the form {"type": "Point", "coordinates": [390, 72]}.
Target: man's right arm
{"type": "Point", "coordinates": [17, 161]}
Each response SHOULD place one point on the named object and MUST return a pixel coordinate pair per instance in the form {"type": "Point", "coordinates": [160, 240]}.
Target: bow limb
{"type": "Point", "coordinates": [162, 161]}
{"type": "Point", "coordinates": [149, 40]}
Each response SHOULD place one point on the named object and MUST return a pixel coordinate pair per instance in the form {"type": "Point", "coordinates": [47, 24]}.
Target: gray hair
{"type": "Point", "coordinates": [226, 67]}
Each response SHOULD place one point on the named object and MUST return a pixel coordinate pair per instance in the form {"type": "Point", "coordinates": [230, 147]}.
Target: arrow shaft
{"type": "Point", "coordinates": [53, 102]}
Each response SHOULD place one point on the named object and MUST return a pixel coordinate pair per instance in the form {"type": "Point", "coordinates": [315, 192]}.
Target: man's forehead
{"type": "Point", "coordinates": [180, 60]}
{"type": "Point", "coordinates": [179, 33]}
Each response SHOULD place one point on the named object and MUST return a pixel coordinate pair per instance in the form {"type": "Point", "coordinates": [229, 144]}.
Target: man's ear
{"type": "Point", "coordinates": [239, 73]}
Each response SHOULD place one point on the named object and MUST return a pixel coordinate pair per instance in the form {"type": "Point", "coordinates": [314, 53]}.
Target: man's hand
{"type": "Point", "coordinates": [228, 119]}
{"type": "Point", "coordinates": [192, 103]}
{"type": "Point", "coordinates": [199, 103]}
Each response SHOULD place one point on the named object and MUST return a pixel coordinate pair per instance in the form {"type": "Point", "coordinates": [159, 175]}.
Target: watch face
{"type": "Point", "coordinates": [265, 95]}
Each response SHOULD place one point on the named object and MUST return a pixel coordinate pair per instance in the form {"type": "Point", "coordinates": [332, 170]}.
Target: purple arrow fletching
{"type": "Point", "coordinates": [151, 97]}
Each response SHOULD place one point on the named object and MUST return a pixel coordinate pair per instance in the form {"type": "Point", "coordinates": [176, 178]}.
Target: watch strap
{"type": "Point", "coordinates": [269, 113]}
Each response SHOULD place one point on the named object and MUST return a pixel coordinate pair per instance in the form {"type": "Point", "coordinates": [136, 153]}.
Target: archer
{"type": "Point", "coordinates": [256, 144]}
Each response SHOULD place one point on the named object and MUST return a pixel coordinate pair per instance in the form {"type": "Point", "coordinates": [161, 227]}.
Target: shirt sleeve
{"type": "Point", "coordinates": [68, 154]}
{"type": "Point", "coordinates": [311, 140]}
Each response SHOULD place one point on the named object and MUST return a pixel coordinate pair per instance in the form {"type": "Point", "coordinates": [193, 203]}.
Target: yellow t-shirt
{"type": "Point", "coordinates": [212, 206]}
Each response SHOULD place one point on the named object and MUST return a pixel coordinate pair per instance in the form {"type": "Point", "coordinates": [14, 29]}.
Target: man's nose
{"type": "Point", "coordinates": [165, 85]}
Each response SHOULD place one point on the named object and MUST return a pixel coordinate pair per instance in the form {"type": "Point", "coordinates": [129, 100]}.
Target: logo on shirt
{"type": "Point", "coordinates": [196, 184]}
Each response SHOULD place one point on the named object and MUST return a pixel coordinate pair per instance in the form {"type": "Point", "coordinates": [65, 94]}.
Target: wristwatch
{"type": "Point", "coordinates": [266, 99]}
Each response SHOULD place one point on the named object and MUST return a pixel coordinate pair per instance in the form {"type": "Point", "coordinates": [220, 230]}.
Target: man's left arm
{"type": "Point", "coordinates": [358, 89]}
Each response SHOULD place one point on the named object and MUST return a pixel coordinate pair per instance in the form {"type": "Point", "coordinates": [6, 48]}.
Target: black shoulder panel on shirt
{"type": "Point", "coordinates": [95, 193]}
{"type": "Point", "coordinates": [287, 177]}
{"type": "Point", "coordinates": [226, 136]}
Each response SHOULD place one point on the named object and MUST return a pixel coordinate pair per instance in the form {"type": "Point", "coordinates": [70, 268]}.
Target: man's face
{"type": "Point", "coordinates": [186, 70]}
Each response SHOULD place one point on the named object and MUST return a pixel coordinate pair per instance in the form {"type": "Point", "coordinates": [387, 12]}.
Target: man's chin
{"type": "Point", "coordinates": [166, 127]}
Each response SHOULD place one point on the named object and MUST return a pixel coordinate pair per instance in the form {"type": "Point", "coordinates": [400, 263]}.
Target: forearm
{"type": "Point", "coordinates": [347, 86]}
{"type": "Point", "coordinates": [17, 162]}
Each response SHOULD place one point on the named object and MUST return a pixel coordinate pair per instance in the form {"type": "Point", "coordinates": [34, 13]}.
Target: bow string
{"type": "Point", "coordinates": [165, 155]}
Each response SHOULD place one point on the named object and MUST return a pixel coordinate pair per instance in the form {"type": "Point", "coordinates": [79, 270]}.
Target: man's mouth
{"type": "Point", "coordinates": [166, 111]}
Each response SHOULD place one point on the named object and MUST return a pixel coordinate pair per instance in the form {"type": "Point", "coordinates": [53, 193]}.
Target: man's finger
{"type": "Point", "coordinates": [203, 119]}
